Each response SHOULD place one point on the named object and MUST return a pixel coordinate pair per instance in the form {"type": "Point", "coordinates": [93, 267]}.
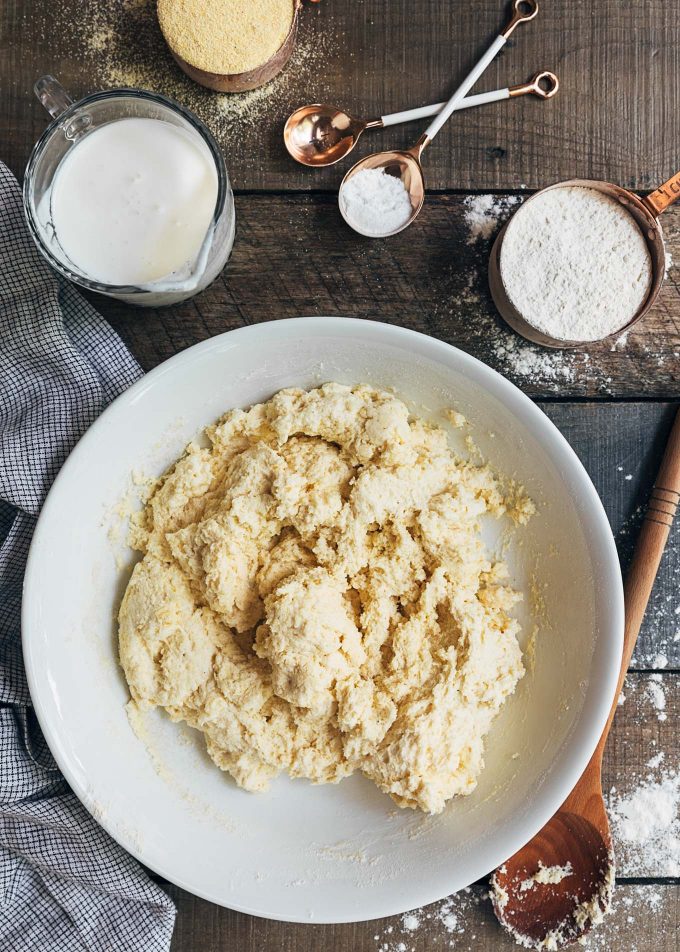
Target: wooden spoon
{"type": "Point", "coordinates": [544, 914]}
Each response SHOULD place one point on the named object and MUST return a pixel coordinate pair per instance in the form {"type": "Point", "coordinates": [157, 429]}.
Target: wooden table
{"type": "Point", "coordinates": [616, 117]}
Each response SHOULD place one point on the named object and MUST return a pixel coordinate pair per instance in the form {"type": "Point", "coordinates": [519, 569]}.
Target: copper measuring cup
{"type": "Point", "coordinates": [645, 211]}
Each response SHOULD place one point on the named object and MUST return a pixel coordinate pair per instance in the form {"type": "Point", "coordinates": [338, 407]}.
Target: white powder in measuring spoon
{"type": "Point", "coordinates": [575, 264]}
{"type": "Point", "coordinates": [375, 203]}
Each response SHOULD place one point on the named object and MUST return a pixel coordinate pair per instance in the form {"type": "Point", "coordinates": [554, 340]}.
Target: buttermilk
{"type": "Point", "coordinates": [133, 201]}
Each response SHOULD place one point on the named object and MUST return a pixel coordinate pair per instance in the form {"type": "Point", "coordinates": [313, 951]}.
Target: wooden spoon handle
{"type": "Point", "coordinates": [656, 525]}
{"type": "Point", "coordinates": [586, 797]}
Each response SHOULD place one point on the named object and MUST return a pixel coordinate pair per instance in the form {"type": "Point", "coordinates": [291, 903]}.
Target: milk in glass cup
{"type": "Point", "coordinates": [126, 193]}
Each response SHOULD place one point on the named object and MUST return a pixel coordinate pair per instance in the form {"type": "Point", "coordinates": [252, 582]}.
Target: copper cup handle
{"type": "Point", "coordinates": [664, 196]}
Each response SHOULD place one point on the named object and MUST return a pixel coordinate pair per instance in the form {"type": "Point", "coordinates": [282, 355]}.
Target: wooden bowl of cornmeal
{"type": "Point", "coordinates": [230, 45]}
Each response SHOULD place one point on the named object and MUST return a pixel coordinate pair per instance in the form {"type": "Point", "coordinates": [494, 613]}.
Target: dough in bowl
{"type": "Point", "coordinates": [315, 597]}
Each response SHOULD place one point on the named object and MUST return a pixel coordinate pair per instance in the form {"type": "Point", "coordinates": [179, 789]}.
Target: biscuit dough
{"type": "Point", "coordinates": [316, 598]}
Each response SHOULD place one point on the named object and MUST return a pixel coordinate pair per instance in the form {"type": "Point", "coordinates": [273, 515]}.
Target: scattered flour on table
{"type": "Point", "coordinates": [410, 921]}
{"type": "Point", "coordinates": [575, 264]}
{"type": "Point", "coordinates": [646, 823]}
{"type": "Point", "coordinates": [657, 695]}
{"type": "Point", "coordinates": [620, 342]}
{"type": "Point", "coordinates": [644, 807]}
{"type": "Point", "coordinates": [522, 360]}
{"type": "Point", "coordinates": [483, 214]}
{"type": "Point", "coordinates": [636, 901]}
{"type": "Point", "coordinates": [451, 923]}
{"type": "Point", "coordinates": [551, 369]}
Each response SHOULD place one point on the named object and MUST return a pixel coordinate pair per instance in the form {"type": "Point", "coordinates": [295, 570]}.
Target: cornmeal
{"type": "Point", "coordinates": [315, 596]}
{"type": "Point", "coordinates": [226, 36]}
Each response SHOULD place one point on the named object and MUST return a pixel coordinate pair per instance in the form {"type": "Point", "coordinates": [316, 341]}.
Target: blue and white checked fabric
{"type": "Point", "coordinates": [65, 885]}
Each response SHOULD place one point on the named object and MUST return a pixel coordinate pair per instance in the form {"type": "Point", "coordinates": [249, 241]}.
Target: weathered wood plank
{"type": "Point", "coordinates": [645, 918]}
{"type": "Point", "coordinates": [294, 256]}
{"type": "Point", "coordinates": [621, 447]}
{"type": "Point", "coordinates": [608, 120]}
{"type": "Point", "coordinates": [644, 751]}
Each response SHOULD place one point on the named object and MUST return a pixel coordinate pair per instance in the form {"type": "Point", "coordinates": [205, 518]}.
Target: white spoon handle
{"type": "Point", "coordinates": [523, 10]}
{"type": "Point", "coordinates": [424, 112]}
{"type": "Point", "coordinates": [467, 84]}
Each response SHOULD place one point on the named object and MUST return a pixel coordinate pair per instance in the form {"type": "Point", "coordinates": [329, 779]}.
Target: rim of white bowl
{"type": "Point", "coordinates": [578, 747]}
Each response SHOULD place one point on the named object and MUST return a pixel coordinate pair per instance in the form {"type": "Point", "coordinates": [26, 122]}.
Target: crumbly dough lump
{"type": "Point", "coordinates": [316, 598]}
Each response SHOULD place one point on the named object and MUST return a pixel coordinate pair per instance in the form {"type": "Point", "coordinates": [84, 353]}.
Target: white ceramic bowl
{"type": "Point", "coordinates": [299, 852]}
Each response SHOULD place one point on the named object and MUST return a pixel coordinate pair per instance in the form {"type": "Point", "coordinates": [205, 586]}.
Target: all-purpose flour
{"type": "Point", "coordinates": [575, 264]}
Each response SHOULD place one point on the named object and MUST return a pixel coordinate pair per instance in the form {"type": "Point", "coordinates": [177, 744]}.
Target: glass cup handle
{"type": "Point", "coordinates": [52, 95]}
{"type": "Point", "coordinates": [56, 101]}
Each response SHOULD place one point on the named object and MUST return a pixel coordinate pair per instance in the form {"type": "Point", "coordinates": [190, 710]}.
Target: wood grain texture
{"type": "Point", "coordinates": [294, 256]}
{"type": "Point", "coordinates": [617, 115]}
{"type": "Point", "coordinates": [649, 547]}
{"type": "Point", "coordinates": [641, 731]}
{"type": "Point", "coordinates": [644, 920]}
{"type": "Point", "coordinates": [621, 446]}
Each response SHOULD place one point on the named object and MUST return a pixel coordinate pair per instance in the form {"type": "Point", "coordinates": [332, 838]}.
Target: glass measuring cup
{"type": "Point", "coordinates": [74, 120]}
{"type": "Point", "coordinates": [644, 211]}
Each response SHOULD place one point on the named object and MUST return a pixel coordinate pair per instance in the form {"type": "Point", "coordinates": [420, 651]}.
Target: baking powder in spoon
{"type": "Point", "coordinates": [375, 203]}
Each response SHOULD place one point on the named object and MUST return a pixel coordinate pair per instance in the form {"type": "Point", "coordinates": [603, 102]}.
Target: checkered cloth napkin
{"type": "Point", "coordinates": [65, 885]}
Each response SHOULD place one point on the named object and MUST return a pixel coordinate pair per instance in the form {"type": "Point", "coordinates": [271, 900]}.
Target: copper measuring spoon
{"type": "Point", "coordinates": [406, 164]}
{"type": "Point", "coordinates": [321, 134]}
{"type": "Point", "coordinates": [579, 834]}
{"type": "Point", "coordinates": [645, 211]}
